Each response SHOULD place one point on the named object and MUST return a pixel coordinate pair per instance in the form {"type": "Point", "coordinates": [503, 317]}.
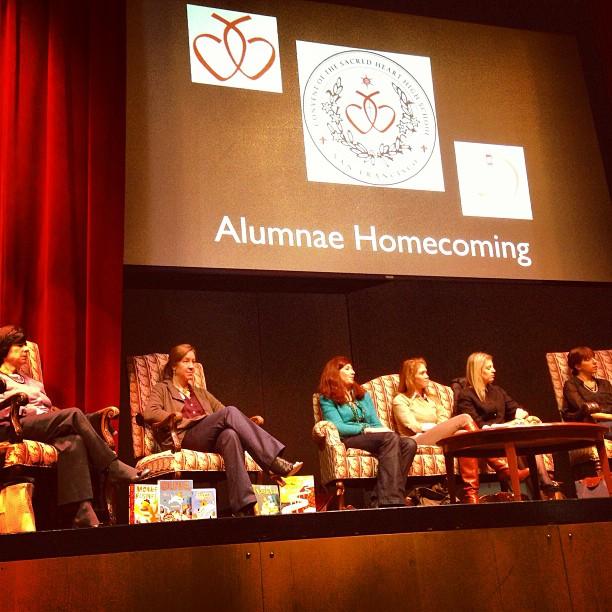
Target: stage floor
{"type": "Point", "coordinates": [215, 532]}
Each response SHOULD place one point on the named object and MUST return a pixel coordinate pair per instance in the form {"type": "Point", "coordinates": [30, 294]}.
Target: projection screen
{"type": "Point", "coordinates": [303, 137]}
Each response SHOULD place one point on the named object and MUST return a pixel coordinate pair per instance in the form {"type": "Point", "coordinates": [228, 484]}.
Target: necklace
{"type": "Point", "coordinates": [184, 391]}
{"type": "Point", "coordinates": [18, 378]}
{"type": "Point", "coordinates": [592, 387]}
{"type": "Point", "coordinates": [357, 411]}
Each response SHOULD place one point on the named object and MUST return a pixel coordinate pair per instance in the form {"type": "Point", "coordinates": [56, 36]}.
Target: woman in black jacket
{"type": "Point", "coordinates": [490, 405]}
{"type": "Point", "coordinates": [585, 395]}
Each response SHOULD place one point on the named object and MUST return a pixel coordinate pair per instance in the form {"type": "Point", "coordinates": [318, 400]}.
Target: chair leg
{"type": "Point", "coordinates": [340, 494]}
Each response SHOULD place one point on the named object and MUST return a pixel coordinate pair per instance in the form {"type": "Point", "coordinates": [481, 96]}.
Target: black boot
{"type": "Point", "coordinates": [282, 467]}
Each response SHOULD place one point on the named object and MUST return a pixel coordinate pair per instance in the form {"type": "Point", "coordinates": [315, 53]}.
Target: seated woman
{"type": "Point", "coordinates": [418, 415]}
{"type": "Point", "coordinates": [489, 405]}
{"type": "Point", "coordinates": [584, 394]}
{"type": "Point", "coordinates": [69, 430]}
{"type": "Point", "coordinates": [349, 407]}
{"type": "Point", "coordinates": [205, 424]}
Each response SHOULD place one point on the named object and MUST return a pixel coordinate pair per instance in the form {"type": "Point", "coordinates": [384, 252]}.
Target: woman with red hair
{"type": "Point", "coordinates": [349, 407]}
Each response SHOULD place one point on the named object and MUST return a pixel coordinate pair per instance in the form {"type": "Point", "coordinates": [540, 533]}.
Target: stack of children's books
{"type": "Point", "coordinates": [171, 500]}
{"type": "Point", "coordinates": [177, 500]}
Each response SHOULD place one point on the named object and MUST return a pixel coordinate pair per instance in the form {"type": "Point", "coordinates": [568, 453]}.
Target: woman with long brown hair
{"type": "Point", "coordinates": [205, 424]}
{"type": "Point", "coordinates": [349, 407]}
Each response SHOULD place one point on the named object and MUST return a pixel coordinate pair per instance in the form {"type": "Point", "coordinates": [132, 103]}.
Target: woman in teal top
{"type": "Point", "coordinates": [349, 407]}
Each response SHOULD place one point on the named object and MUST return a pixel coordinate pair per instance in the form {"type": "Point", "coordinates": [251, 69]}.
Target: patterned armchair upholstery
{"type": "Point", "coordinates": [144, 372]}
{"type": "Point", "coordinates": [339, 464]}
{"type": "Point", "coordinates": [29, 453]}
{"type": "Point", "coordinates": [559, 373]}
{"type": "Point", "coordinates": [22, 455]}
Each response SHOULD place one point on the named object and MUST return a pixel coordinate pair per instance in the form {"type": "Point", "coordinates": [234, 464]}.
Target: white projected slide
{"type": "Point", "coordinates": [492, 181]}
{"type": "Point", "coordinates": [233, 49]}
{"type": "Point", "coordinates": [369, 118]}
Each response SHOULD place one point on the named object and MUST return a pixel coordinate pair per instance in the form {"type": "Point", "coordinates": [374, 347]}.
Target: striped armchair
{"type": "Point", "coordinates": [144, 372]}
{"type": "Point", "coordinates": [339, 464]}
{"type": "Point", "coordinates": [559, 373]}
{"type": "Point", "coordinates": [22, 457]}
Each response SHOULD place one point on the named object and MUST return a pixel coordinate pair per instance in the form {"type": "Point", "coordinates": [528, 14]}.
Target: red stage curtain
{"type": "Point", "coordinates": [62, 165]}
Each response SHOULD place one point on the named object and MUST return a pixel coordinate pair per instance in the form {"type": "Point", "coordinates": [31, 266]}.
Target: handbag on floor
{"type": "Point", "coordinates": [16, 513]}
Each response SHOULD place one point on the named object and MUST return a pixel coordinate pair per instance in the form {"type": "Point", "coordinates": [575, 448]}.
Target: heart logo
{"type": "Point", "coordinates": [369, 115]}
{"type": "Point", "coordinates": [229, 60]}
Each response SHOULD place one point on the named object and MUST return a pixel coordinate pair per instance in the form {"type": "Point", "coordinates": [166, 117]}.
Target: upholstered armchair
{"type": "Point", "coordinates": [339, 464]}
{"type": "Point", "coordinates": [559, 373]}
{"type": "Point", "coordinates": [144, 372]}
{"type": "Point", "coordinates": [21, 457]}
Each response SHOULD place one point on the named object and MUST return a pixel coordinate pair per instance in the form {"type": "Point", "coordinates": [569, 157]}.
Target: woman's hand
{"type": "Point", "coordinates": [521, 414]}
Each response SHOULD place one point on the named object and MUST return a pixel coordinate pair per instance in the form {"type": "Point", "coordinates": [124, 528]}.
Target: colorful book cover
{"type": "Point", "coordinates": [298, 495]}
{"type": "Point", "coordinates": [268, 499]}
{"type": "Point", "coordinates": [204, 504]}
{"type": "Point", "coordinates": [144, 503]}
{"type": "Point", "coordinates": [175, 500]}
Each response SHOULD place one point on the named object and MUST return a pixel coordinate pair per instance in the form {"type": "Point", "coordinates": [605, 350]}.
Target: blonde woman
{"type": "Point", "coordinates": [489, 404]}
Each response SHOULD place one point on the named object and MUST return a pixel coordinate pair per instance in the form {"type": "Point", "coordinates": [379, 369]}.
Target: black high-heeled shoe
{"type": "Point", "coordinates": [85, 516]}
{"type": "Point", "coordinates": [248, 510]}
{"type": "Point", "coordinates": [122, 473]}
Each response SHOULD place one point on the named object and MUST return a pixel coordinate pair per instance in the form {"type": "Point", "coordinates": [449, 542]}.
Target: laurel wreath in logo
{"type": "Point", "coordinates": [407, 123]}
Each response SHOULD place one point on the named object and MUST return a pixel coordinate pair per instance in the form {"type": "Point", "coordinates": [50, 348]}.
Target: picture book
{"type": "Point", "coordinates": [268, 499]}
{"type": "Point", "coordinates": [298, 495]}
{"type": "Point", "coordinates": [175, 500]}
{"type": "Point", "coordinates": [204, 504]}
{"type": "Point", "coordinates": [144, 503]}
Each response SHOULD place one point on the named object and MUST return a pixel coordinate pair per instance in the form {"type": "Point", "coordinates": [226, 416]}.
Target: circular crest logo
{"type": "Point", "coordinates": [369, 117]}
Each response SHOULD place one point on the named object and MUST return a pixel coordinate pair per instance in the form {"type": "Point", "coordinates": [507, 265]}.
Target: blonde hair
{"type": "Point", "coordinates": [407, 373]}
{"type": "Point", "coordinates": [473, 373]}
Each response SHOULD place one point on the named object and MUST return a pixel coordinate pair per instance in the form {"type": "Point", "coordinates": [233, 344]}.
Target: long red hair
{"type": "Point", "coordinates": [332, 386]}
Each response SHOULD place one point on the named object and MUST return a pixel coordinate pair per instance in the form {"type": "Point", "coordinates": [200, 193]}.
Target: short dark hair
{"type": "Point", "coordinates": [10, 335]}
{"type": "Point", "coordinates": [577, 355]}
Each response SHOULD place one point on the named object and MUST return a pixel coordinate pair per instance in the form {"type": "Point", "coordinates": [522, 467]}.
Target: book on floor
{"type": "Point", "coordinates": [204, 504]}
{"type": "Point", "coordinates": [175, 500]}
{"type": "Point", "coordinates": [144, 503]}
{"type": "Point", "coordinates": [298, 495]}
{"type": "Point", "coordinates": [268, 499]}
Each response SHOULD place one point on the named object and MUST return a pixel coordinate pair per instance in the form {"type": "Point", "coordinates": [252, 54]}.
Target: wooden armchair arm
{"type": "Point", "coordinates": [15, 402]}
{"type": "Point", "coordinates": [101, 422]}
{"type": "Point", "coordinates": [168, 425]}
{"type": "Point", "coordinates": [325, 433]}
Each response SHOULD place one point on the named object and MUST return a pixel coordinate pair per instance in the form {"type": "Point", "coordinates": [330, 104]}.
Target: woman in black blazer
{"type": "Point", "coordinates": [490, 405]}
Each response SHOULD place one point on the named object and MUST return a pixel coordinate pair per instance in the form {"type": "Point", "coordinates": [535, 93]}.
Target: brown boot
{"type": "Point", "coordinates": [470, 425]}
{"type": "Point", "coordinates": [500, 466]}
{"type": "Point", "coordinates": [468, 468]}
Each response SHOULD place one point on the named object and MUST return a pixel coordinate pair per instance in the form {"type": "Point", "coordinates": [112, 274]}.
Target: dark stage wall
{"type": "Point", "coordinates": [264, 341]}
